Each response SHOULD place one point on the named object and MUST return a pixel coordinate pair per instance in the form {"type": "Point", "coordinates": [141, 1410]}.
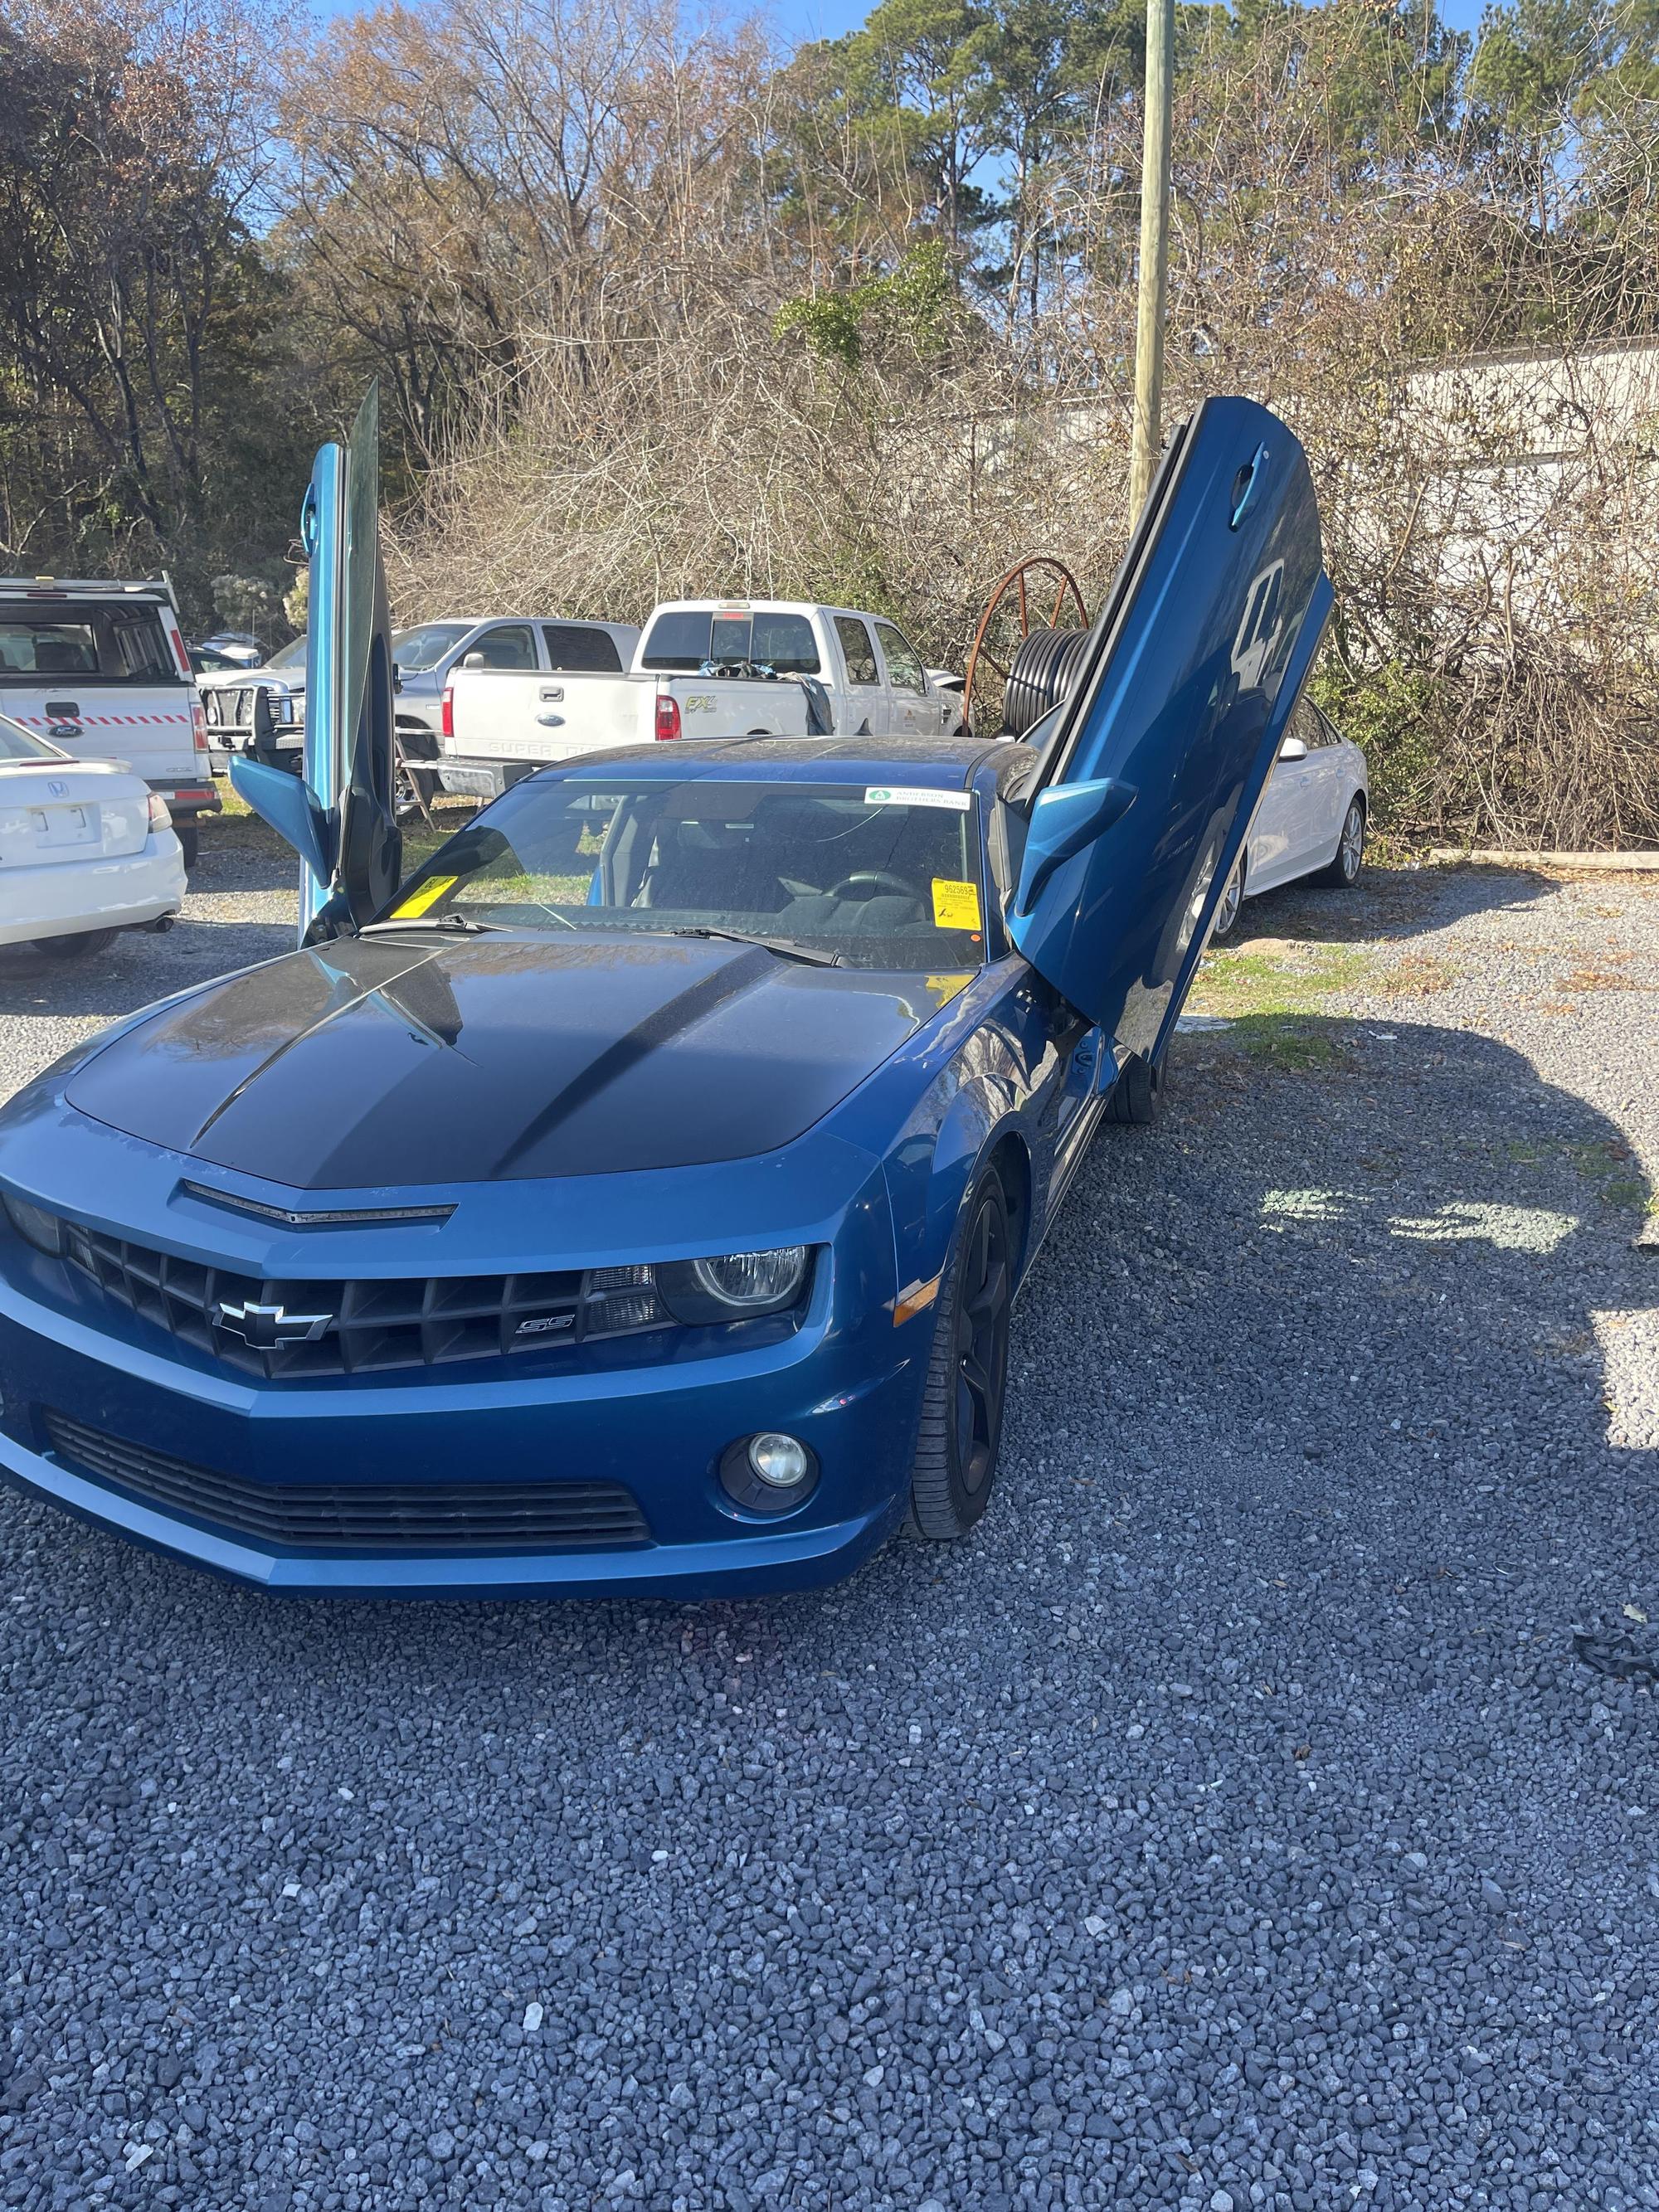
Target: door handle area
{"type": "Point", "coordinates": [1246, 485]}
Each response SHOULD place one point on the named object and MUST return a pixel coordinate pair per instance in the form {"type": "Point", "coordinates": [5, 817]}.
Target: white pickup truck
{"type": "Point", "coordinates": [99, 669]}
{"type": "Point", "coordinates": [703, 668]}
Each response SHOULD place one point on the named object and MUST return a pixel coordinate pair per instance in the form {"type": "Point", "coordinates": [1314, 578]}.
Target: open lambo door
{"type": "Point", "coordinates": [341, 814]}
{"type": "Point", "coordinates": [1145, 789]}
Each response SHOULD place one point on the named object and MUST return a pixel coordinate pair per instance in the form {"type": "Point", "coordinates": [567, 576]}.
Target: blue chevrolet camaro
{"type": "Point", "coordinates": [633, 1195]}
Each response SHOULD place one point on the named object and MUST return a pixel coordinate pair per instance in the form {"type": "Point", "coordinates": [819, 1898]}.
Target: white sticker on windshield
{"type": "Point", "coordinates": [896, 795]}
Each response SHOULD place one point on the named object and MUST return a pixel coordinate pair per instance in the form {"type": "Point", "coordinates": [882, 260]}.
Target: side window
{"type": "Point", "coordinates": [140, 653]}
{"type": "Point", "coordinates": [581, 647]}
{"type": "Point", "coordinates": [509, 645]}
{"type": "Point", "coordinates": [904, 670]}
{"type": "Point", "coordinates": [785, 642]}
{"type": "Point", "coordinates": [857, 650]}
{"type": "Point", "coordinates": [1306, 725]}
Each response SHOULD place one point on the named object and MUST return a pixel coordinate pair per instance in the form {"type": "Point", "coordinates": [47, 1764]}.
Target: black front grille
{"type": "Point", "coordinates": [405, 1517]}
{"type": "Point", "coordinates": [362, 1327]}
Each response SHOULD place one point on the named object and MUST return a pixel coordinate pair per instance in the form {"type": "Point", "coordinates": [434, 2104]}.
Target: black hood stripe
{"type": "Point", "coordinates": [661, 1027]}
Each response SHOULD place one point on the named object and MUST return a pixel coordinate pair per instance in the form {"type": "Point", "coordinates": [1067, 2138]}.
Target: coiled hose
{"type": "Point", "coordinates": [1041, 676]}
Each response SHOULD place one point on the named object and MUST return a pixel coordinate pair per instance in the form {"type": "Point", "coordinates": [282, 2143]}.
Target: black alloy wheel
{"type": "Point", "coordinates": [960, 1431]}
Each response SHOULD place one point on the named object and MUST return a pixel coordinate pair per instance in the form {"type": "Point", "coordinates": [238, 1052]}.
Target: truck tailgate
{"type": "Point", "coordinates": [541, 715]}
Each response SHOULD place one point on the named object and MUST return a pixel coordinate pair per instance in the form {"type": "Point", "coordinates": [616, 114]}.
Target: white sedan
{"type": "Point", "coordinates": [86, 848]}
{"type": "Point", "coordinates": [1311, 821]}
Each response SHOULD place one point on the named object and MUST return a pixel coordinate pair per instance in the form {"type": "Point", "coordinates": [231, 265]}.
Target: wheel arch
{"type": "Point", "coordinates": [1009, 1154]}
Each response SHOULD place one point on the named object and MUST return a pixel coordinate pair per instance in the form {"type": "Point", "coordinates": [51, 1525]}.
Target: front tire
{"type": "Point", "coordinates": [1343, 872]}
{"type": "Point", "coordinates": [80, 947]}
{"type": "Point", "coordinates": [955, 1458]}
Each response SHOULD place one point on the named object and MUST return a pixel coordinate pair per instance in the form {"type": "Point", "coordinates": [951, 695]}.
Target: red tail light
{"type": "Point", "coordinates": [448, 724]}
{"type": "Point", "coordinates": [668, 714]}
{"type": "Point", "coordinates": [198, 725]}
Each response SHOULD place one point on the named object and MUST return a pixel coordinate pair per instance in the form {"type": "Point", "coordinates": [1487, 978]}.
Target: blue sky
{"type": "Point", "coordinates": [828, 19]}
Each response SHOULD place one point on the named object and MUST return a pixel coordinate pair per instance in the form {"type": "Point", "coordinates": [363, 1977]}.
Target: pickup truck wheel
{"type": "Point", "coordinates": [80, 947]}
{"type": "Point", "coordinates": [190, 841]}
{"type": "Point", "coordinates": [956, 1456]}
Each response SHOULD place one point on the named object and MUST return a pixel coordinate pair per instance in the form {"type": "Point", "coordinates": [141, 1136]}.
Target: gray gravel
{"type": "Point", "coordinates": [1245, 1817]}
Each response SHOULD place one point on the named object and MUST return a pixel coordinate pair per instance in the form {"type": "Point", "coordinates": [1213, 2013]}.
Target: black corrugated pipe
{"type": "Point", "coordinates": [1041, 676]}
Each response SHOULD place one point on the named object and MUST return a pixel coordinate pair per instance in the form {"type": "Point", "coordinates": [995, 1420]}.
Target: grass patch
{"type": "Point", "coordinates": [1266, 984]}
{"type": "Point", "coordinates": [1608, 1167]}
{"type": "Point", "coordinates": [1417, 975]}
{"type": "Point", "coordinates": [1597, 979]}
{"type": "Point", "coordinates": [1282, 1042]}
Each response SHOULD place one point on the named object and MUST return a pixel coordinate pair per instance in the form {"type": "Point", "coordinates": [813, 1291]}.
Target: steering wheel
{"type": "Point", "coordinates": [865, 882]}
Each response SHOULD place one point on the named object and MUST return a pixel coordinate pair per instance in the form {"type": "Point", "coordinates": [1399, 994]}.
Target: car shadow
{"type": "Point", "coordinates": [1387, 905]}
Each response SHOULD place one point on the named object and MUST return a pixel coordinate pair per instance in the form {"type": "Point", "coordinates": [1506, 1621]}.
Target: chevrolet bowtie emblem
{"type": "Point", "coordinates": [266, 1328]}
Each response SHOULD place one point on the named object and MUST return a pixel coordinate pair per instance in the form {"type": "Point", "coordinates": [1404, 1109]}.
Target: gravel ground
{"type": "Point", "coordinates": [1261, 1811]}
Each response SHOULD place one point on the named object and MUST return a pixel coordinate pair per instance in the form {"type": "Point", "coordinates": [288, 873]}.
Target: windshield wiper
{"type": "Point", "coordinates": [464, 923]}
{"type": "Point", "coordinates": [789, 947]}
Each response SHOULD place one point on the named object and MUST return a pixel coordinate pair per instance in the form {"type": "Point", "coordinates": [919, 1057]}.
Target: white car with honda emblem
{"type": "Point", "coordinates": [100, 669]}
{"type": "Point", "coordinates": [86, 848]}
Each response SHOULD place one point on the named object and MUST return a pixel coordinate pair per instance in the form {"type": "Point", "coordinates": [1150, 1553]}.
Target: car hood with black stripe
{"type": "Point", "coordinates": [403, 1059]}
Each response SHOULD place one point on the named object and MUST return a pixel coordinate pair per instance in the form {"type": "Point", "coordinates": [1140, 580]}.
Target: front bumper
{"type": "Point", "coordinates": [658, 1429]}
{"type": "Point", "coordinates": [73, 897]}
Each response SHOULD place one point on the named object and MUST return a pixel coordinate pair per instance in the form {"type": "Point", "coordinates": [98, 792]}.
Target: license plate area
{"type": "Point", "coordinates": [56, 826]}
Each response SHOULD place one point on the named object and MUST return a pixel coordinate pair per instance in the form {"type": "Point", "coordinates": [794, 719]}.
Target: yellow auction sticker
{"type": "Point", "coordinates": [428, 894]}
{"type": "Point", "coordinates": [955, 906]}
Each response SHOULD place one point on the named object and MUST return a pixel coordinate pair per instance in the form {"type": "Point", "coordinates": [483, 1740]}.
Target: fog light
{"type": "Point", "coordinates": [784, 1462]}
{"type": "Point", "coordinates": [770, 1472]}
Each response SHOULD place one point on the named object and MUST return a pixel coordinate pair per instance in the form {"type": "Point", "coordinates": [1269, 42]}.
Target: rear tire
{"type": "Point", "coordinates": [190, 841]}
{"type": "Point", "coordinates": [1136, 1099]}
{"type": "Point", "coordinates": [1343, 872]}
{"type": "Point", "coordinates": [80, 947]}
{"type": "Point", "coordinates": [1229, 905]}
{"type": "Point", "coordinates": [955, 1458]}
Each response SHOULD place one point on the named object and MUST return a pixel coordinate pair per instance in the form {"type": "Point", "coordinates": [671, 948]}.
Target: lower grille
{"type": "Point", "coordinates": [428, 1517]}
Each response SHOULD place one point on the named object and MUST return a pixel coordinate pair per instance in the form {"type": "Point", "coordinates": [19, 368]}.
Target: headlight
{"type": "Point", "coordinates": [734, 1286]}
{"type": "Point", "coordinates": [35, 1225]}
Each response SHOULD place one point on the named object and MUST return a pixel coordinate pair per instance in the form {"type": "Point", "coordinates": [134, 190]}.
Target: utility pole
{"type": "Point", "coordinates": [1154, 252]}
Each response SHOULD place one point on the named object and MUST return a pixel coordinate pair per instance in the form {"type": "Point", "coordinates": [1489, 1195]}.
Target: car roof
{"type": "Point", "coordinates": [943, 763]}
{"type": "Point", "coordinates": [475, 622]}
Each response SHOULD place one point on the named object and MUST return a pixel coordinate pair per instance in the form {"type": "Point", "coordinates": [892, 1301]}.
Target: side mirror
{"type": "Point", "coordinates": [475, 660]}
{"type": "Point", "coordinates": [1293, 749]}
{"type": "Point", "coordinates": [285, 802]}
{"type": "Point", "coordinates": [1065, 818]}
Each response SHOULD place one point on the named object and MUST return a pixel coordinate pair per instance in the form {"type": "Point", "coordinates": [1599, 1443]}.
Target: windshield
{"type": "Point", "coordinates": [424, 647]}
{"type": "Point", "coordinates": [879, 877]}
{"type": "Point", "coordinates": [292, 655]}
{"type": "Point", "coordinates": [16, 743]}
{"type": "Point", "coordinates": [683, 638]}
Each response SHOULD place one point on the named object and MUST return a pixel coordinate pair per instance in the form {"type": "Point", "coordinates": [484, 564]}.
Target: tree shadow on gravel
{"type": "Point", "coordinates": [1387, 905]}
